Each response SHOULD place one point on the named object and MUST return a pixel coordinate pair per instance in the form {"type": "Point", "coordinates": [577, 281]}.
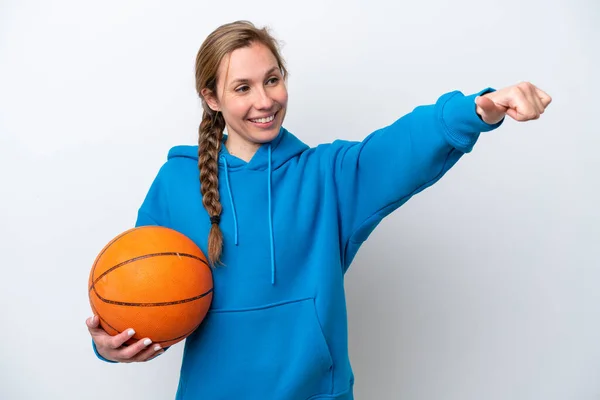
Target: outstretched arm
{"type": "Point", "coordinates": [379, 174]}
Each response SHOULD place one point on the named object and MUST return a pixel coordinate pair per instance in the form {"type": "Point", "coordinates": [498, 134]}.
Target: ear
{"type": "Point", "coordinates": [210, 99]}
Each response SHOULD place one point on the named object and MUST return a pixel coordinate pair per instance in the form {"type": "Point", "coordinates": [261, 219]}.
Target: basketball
{"type": "Point", "coordinates": [154, 280]}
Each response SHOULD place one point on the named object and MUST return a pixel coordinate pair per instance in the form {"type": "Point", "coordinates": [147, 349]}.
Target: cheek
{"type": "Point", "coordinates": [282, 97]}
{"type": "Point", "coordinates": [237, 110]}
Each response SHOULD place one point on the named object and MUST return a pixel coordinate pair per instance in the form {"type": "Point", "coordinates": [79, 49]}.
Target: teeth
{"type": "Point", "coordinates": [264, 120]}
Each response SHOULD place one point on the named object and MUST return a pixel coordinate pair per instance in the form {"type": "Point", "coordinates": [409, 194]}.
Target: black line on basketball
{"type": "Point", "coordinates": [134, 336]}
{"type": "Point", "coordinates": [164, 303]}
{"type": "Point", "coordinates": [107, 247]}
{"type": "Point", "coordinates": [172, 253]}
{"type": "Point", "coordinates": [103, 320]}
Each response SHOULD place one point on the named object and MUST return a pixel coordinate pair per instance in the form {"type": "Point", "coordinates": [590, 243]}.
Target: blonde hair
{"type": "Point", "coordinates": [222, 41]}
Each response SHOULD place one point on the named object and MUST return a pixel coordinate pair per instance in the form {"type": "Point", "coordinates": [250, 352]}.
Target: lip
{"type": "Point", "coordinates": [266, 116]}
{"type": "Point", "coordinates": [265, 125]}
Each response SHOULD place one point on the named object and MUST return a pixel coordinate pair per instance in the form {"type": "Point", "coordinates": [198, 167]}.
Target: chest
{"type": "Point", "coordinates": [269, 229]}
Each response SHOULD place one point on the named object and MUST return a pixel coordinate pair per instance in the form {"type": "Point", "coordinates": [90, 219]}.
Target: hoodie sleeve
{"type": "Point", "coordinates": [153, 211]}
{"type": "Point", "coordinates": [379, 174]}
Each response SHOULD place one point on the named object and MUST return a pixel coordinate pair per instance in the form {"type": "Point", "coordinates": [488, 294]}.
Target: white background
{"type": "Point", "coordinates": [485, 286]}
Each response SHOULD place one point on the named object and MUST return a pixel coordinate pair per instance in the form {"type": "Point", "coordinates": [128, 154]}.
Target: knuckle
{"type": "Point", "coordinates": [517, 91]}
{"type": "Point", "coordinates": [525, 85]}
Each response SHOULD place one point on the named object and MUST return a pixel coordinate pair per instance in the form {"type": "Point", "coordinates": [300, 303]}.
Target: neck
{"type": "Point", "coordinates": [240, 148]}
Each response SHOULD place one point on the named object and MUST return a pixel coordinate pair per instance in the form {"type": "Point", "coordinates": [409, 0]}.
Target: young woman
{"type": "Point", "coordinates": [281, 221]}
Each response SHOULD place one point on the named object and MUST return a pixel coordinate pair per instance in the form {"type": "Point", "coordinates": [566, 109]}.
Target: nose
{"type": "Point", "coordinates": [263, 100]}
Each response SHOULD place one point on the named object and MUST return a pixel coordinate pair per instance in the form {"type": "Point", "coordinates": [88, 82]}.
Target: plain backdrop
{"type": "Point", "coordinates": [485, 286]}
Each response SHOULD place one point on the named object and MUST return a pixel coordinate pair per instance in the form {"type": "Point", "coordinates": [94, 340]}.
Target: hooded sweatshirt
{"type": "Point", "coordinates": [293, 220]}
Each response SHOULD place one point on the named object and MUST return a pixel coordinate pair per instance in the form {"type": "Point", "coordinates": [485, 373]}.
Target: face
{"type": "Point", "coordinates": [251, 94]}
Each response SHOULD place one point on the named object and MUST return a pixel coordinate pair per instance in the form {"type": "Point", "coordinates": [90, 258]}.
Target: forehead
{"type": "Point", "coordinates": [247, 63]}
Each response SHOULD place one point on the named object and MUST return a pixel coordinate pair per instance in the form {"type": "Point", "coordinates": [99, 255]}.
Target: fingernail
{"type": "Point", "coordinates": [93, 319]}
{"type": "Point", "coordinates": [131, 332]}
{"type": "Point", "coordinates": [157, 347]}
{"type": "Point", "coordinates": [147, 342]}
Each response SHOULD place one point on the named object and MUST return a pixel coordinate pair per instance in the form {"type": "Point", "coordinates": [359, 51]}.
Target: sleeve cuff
{"type": "Point", "coordinates": [458, 114]}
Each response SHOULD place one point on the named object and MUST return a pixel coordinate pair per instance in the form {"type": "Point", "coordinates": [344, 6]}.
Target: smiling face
{"type": "Point", "coordinates": [251, 95]}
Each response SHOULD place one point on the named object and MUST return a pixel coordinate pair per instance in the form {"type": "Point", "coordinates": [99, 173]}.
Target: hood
{"type": "Point", "coordinates": [284, 147]}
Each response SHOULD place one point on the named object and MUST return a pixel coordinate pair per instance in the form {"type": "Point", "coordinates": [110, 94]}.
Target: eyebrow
{"type": "Point", "coordinates": [244, 80]}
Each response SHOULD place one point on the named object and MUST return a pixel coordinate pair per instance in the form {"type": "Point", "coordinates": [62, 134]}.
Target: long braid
{"type": "Point", "coordinates": [209, 144]}
{"type": "Point", "coordinates": [214, 49]}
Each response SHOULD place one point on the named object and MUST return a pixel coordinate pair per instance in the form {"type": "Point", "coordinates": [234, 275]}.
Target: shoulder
{"type": "Point", "coordinates": [188, 152]}
{"type": "Point", "coordinates": [180, 158]}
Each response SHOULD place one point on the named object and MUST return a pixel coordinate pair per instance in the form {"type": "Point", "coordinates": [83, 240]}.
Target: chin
{"type": "Point", "coordinates": [267, 136]}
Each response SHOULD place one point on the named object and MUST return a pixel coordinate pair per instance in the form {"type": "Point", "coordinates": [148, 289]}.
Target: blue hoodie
{"type": "Point", "coordinates": [293, 219]}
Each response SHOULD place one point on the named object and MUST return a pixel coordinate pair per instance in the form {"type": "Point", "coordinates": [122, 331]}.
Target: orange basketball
{"type": "Point", "coordinates": [154, 280]}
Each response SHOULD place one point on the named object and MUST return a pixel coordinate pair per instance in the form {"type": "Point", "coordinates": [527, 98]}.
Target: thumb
{"type": "Point", "coordinates": [489, 111]}
{"type": "Point", "coordinates": [92, 324]}
{"type": "Point", "coordinates": [488, 105]}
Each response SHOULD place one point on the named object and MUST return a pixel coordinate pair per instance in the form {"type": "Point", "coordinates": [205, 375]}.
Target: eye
{"type": "Point", "coordinates": [242, 89]}
{"type": "Point", "coordinates": [273, 80]}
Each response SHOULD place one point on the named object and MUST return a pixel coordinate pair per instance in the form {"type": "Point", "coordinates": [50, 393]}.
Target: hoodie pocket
{"type": "Point", "coordinates": [273, 352]}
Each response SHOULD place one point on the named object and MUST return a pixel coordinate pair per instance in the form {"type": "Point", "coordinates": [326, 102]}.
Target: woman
{"type": "Point", "coordinates": [281, 222]}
